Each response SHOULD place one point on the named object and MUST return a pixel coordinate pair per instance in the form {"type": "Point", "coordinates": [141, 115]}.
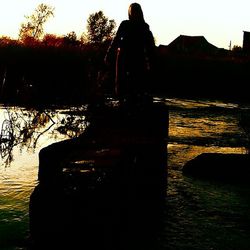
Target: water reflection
{"type": "Point", "coordinates": [23, 132]}
{"type": "Point", "coordinates": [31, 129]}
{"type": "Point", "coordinates": [195, 127]}
{"type": "Point", "coordinates": [202, 127]}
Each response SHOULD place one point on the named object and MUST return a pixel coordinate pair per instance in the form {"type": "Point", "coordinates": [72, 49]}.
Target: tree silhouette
{"type": "Point", "coordinates": [52, 40]}
{"type": "Point", "coordinates": [34, 27]}
{"type": "Point", "coordinates": [99, 28]}
{"type": "Point", "coordinates": [71, 39]}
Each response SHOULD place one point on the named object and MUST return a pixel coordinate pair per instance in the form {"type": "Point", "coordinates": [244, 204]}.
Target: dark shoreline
{"type": "Point", "coordinates": [49, 75]}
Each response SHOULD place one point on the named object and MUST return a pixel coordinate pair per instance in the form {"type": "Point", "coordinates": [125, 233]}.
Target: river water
{"type": "Point", "coordinates": [199, 214]}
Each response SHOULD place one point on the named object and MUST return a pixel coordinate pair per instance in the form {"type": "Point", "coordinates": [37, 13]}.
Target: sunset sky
{"type": "Point", "coordinates": [220, 21]}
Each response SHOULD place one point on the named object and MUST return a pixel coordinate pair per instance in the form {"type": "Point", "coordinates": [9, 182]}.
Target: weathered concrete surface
{"type": "Point", "coordinates": [106, 188]}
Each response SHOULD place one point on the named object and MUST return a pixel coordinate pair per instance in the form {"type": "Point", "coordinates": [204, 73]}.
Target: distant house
{"type": "Point", "coordinates": [246, 41]}
{"type": "Point", "coordinates": [191, 45]}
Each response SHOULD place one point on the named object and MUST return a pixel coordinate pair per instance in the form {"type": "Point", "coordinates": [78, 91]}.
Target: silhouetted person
{"type": "Point", "coordinates": [131, 55]}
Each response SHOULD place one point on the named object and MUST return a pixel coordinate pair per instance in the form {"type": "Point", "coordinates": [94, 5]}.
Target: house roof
{"type": "Point", "coordinates": [192, 44]}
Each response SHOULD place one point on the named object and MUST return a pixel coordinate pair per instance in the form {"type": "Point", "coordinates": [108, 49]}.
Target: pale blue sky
{"type": "Point", "coordinates": [220, 21]}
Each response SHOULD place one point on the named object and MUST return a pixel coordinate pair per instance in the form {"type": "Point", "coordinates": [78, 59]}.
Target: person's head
{"type": "Point", "coordinates": [135, 12]}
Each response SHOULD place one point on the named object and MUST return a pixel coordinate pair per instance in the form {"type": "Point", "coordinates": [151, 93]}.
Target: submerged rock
{"type": "Point", "coordinates": [217, 166]}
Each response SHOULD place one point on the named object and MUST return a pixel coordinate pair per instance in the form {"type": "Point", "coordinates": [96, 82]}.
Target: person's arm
{"type": "Point", "coordinates": [150, 50]}
{"type": "Point", "coordinates": [110, 57]}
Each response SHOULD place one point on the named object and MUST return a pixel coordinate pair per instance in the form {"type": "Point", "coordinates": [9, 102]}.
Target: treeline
{"type": "Point", "coordinates": [221, 76]}
{"type": "Point", "coordinates": [49, 73]}
{"type": "Point", "coordinates": [43, 68]}
{"type": "Point", "coordinates": [71, 73]}
{"type": "Point", "coordinates": [46, 68]}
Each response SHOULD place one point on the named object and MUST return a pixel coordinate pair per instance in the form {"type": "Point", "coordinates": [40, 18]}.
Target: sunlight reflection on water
{"type": "Point", "coordinates": [203, 127]}
{"type": "Point", "coordinates": [202, 214]}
